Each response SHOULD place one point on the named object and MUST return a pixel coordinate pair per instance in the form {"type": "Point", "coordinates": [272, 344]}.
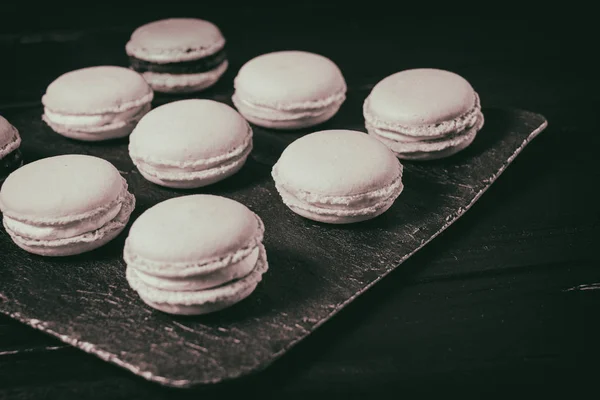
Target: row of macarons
{"type": "Point", "coordinates": [421, 113]}
{"type": "Point", "coordinates": [329, 176]}
{"type": "Point", "coordinates": [187, 255]}
{"type": "Point", "coordinates": [197, 253]}
{"type": "Point", "coordinates": [193, 254]}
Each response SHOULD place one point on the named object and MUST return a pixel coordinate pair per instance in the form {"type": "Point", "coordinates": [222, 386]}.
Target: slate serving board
{"type": "Point", "coordinates": [315, 269]}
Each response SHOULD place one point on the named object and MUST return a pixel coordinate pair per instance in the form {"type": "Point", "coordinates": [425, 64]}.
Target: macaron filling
{"type": "Point", "coordinates": [96, 122]}
{"type": "Point", "coordinates": [428, 130]}
{"type": "Point", "coordinates": [167, 83]}
{"type": "Point", "coordinates": [352, 205]}
{"type": "Point", "coordinates": [52, 232]}
{"type": "Point", "coordinates": [225, 293]}
{"type": "Point", "coordinates": [208, 280]}
{"type": "Point", "coordinates": [203, 64]}
{"type": "Point", "coordinates": [401, 143]}
{"type": "Point", "coordinates": [426, 141]}
{"type": "Point", "coordinates": [298, 111]}
{"type": "Point", "coordinates": [63, 231]}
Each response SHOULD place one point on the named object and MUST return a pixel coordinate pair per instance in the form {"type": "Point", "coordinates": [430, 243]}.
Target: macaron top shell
{"type": "Point", "coordinates": [97, 90]}
{"type": "Point", "coordinates": [60, 187]}
{"type": "Point", "coordinates": [192, 229]}
{"type": "Point", "coordinates": [289, 79]}
{"type": "Point", "coordinates": [188, 131]}
{"type": "Point", "coordinates": [420, 97]}
{"type": "Point", "coordinates": [338, 163]}
{"type": "Point", "coordinates": [161, 40]}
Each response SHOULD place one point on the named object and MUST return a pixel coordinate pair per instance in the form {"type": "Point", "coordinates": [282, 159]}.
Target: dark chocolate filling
{"type": "Point", "coordinates": [11, 162]}
{"type": "Point", "coordinates": [204, 64]}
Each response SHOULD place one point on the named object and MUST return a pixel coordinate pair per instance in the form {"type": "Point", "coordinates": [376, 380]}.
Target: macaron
{"type": "Point", "coordinates": [423, 114]}
{"type": "Point", "coordinates": [289, 90]}
{"type": "Point", "coordinates": [96, 103]}
{"type": "Point", "coordinates": [195, 254]}
{"type": "Point", "coordinates": [178, 55]}
{"type": "Point", "coordinates": [10, 154]}
{"type": "Point", "coordinates": [65, 205]}
{"type": "Point", "coordinates": [338, 177]}
{"type": "Point", "coordinates": [190, 143]}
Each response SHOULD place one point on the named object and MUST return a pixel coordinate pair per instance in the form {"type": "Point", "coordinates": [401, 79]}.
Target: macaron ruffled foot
{"type": "Point", "coordinates": [196, 254]}
{"type": "Point", "coordinates": [178, 55]}
{"type": "Point", "coordinates": [423, 114]}
{"type": "Point", "coordinates": [65, 205]}
{"type": "Point", "coordinates": [338, 177]}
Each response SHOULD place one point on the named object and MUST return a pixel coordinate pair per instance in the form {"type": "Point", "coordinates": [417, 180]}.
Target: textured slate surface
{"type": "Point", "coordinates": [315, 269]}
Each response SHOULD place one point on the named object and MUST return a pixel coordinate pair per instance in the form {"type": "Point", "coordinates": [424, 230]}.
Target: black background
{"type": "Point", "coordinates": [505, 301]}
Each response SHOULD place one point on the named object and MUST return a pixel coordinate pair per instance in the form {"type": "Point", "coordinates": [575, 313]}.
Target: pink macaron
{"type": "Point", "coordinates": [338, 177]}
{"type": "Point", "coordinates": [96, 103]}
{"type": "Point", "coordinates": [289, 90]}
{"type": "Point", "coordinates": [195, 254]}
{"type": "Point", "coordinates": [423, 114]}
{"type": "Point", "coordinates": [178, 55]}
{"type": "Point", "coordinates": [190, 143]}
{"type": "Point", "coordinates": [65, 205]}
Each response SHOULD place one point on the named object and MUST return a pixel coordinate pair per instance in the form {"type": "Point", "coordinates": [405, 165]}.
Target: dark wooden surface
{"type": "Point", "coordinates": [506, 298]}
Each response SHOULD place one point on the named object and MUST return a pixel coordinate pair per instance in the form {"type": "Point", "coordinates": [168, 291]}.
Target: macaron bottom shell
{"type": "Point", "coordinates": [438, 154]}
{"type": "Point", "coordinates": [339, 219]}
{"type": "Point", "coordinates": [200, 309]}
{"type": "Point", "coordinates": [184, 83]}
{"type": "Point", "coordinates": [200, 301]}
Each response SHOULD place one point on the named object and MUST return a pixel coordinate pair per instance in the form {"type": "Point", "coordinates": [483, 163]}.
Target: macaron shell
{"type": "Point", "coordinates": [289, 79]}
{"type": "Point", "coordinates": [337, 162]}
{"type": "Point", "coordinates": [188, 131]}
{"type": "Point", "coordinates": [193, 228]}
{"type": "Point", "coordinates": [7, 131]}
{"type": "Point", "coordinates": [175, 39]}
{"type": "Point", "coordinates": [420, 97]}
{"type": "Point", "coordinates": [9, 137]}
{"type": "Point", "coordinates": [339, 219]}
{"type": "Point", "coordinates": [97, 90]}
{"type": "Point", "coordinates": [204, 308]}
{"type": "Point", "coordinates": [60, 187]}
